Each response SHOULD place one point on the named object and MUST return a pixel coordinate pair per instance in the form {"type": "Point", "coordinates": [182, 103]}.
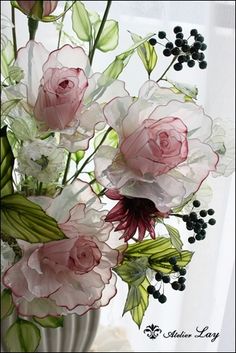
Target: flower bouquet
{"type": "Point", "coordinates": [91, 174]}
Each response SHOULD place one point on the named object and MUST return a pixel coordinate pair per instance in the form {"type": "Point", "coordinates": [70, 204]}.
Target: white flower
{"type": "Point", "coordinates": [41, 159]}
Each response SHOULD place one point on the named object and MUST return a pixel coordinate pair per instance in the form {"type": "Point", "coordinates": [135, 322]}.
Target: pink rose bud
{"type": "Point", "coordinates": [59, 96]}
{"type": "Point", "coordinates": [28, 7]}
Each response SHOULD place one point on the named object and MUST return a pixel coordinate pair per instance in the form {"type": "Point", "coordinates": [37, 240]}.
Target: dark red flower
{"type": "Point", "coordinates": [133, 214]}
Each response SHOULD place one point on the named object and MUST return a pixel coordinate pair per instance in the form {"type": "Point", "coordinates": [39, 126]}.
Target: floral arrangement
{"type": "Point", "coordinates": [91, 175]}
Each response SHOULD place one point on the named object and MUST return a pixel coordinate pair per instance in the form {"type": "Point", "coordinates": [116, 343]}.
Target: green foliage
{"type": "Point", "coordinates": [80, 22]}
{"type": "Point", "coordinates": [7, 58]}
{"type": "Point", "coordinates": [7, 161]}
{"type": "Point", "coordinates": [22, 336]}
{"type": "Point", "coordinates": [109, 38]}
{"type": "Point", "coordinates": [174, 236]}
{"type": "Point", "coordinates": [77, 156]}
{"type": "Point", "coordinates": [160, 260]}
{"type": "Point", "coordinates": [112, 139]}
{"type": "Point", "coordinates": [134, 271]}
{"type": "Point", "coordinates": [23, 219]}
{"type": "Point", "coordinates": [50, 321]}
{"type": "Point", "coordinates": [190, 91]}
{"type": "Point", "coordinates": [146, 52]}
{"type": "Point", "coordinates": [7, 305]}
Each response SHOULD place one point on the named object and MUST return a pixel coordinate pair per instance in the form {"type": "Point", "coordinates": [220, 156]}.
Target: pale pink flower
{"type": "Point", "coordinates": [48, 6]}
{"type": "Point", "coordinates": [72, 275]}
{"type": "Point", "coordinates": [63, 94]}
{"type": "Point", "coordinates": [162, 155]}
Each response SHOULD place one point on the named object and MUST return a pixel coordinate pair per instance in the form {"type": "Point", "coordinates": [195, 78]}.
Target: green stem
{"type": "Point", "coordinates": [14, 31]}
{"type": "Point", "coordinates": [66, 169]}
{"type": "Point", "coordinates": [32, 26]}
{"type": "Point", "coordinates": [61, 23]}
{"type": "Point", "coordinates": [172, 62]}
{"type": "Point", "coordinates": [102, 192]}
{"type": "Point", "coordinates": [91, 54]}
{"type": "Point", "coordinates": [89, 157]}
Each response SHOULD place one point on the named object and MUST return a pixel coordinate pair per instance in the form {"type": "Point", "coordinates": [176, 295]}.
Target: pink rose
{"type": "Point", "coordinates": [156, 146]}
{"type": "Point", "coordinates": [59, 96]}
{"type": "Point", "coordinates": [62, 93]}
{"type": "Point", "coordinates": [48, 6]}
{"type": "Point", "coordinates": [72, 275]}
{"type": "Point", "coordinates": [162, 155]}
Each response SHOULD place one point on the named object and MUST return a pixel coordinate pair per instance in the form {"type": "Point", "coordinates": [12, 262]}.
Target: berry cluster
{"type": "Point", "coordinates": [198, 225]}
{"type": "Point", "coordinates": [177, 283]}
{"type": "Point", "coordinates": [182, 49]}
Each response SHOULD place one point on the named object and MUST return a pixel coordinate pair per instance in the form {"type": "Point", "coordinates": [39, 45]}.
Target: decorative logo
{"type": "Point", "coordinates": [152, 331]}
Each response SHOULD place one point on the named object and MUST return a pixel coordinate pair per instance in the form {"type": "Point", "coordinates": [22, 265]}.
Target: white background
{"type": "Point", "coordinates": [209, 296]}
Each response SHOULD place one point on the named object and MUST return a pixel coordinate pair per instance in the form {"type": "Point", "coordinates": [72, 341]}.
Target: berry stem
{"type": "Point", "coordinates": [176, 215]}
{"type": "Point", "coordinates": [172, 62]}
{"type": "Point", "coordinates": [14, 31]}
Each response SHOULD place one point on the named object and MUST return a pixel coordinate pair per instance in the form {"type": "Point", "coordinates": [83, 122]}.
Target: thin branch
{"type": "Point", "coordinates": [172, 62]}
{"type": "Point", "coordinates": [14, 30]}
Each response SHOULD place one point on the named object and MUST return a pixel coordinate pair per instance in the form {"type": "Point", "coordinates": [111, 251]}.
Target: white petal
{"type": "Point", "coordinates": [31, 59]}
{"type": "Point", "coordinates": [151, 91]}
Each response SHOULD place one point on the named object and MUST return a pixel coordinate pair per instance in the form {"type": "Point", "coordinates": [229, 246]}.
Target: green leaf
{"type": "Point", "coordinates": [117, 66]}
{"type": "Point", "coordinates": [7, 161]}
{"type": "Point", "coordinates": [138, 311]}
{"type": "Point", "coordinates": [148, 247]}
{"type": "Point", "coordinates": [50, 321]}
{"type": "Point", "coordinates": [134, 271]}
{"type": "Point", "coordinates": [110, 35]}
{"type": "Point", "coordinates": [22, 336]}
{"type": "Point", "coordinates": [23, 219]}
{"type": "Point", "coordinates": [77, 156]}
{"type": "Point", "coordinates": [7, 57]}
{"type": "Point", "coordinates": [160, 260]}
{"type": "Point", "coordinates": [7, 305]}
{"type": "Point", "coordinates": [80, 22]}
{"type": "Point", "coordinates": [146, 52]}
{"type": "Point", "coordinates": [189, 90]}
{"type": "Point", "coordinates": [174, 237]}
{"type": "Point", "coordinates": [7, 106]}
{"type": "Point", "coordinates": [133, 298]}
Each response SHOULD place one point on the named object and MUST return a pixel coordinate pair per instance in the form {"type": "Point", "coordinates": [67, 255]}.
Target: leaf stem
{"type": "Point", "coordinates": [168, 67]}
{"type": "Point", "coordinates": [61, 23]}
{"type": "Point", "coordinates": [66, 169]}
{"type": "Point", "coordinates": [89, 157]}
{"type": "Point", "coordinates": [91, 54]}
{"type": "Point", "coordinates": [14, 30]}
{"type": "Point", "coordinates": [32, 26]}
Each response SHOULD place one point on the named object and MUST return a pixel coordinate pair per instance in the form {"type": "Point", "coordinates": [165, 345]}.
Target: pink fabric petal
{"type": "Point", "coordinates": [69, 57]}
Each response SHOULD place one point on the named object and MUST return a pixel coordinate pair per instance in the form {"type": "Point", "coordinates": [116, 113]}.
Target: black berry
{"type": "Point", "coordinates": [176, 268]}
{"type": "Point", "coordinates": [161, 34]}
{"type": "Point", "coordinates": [185, 48]}
{"type": "Point", "coordinates": [191, 63]}
{"type": "Point", "coordinates": [156, 294]}
{"type": "Point", "coordinates": [193, 32]}
{"type": "Point", "coordinates": [158, 276]}
{"type": "Point", "coordinates": [182, 271]}
{"type": "Point", "coordinates": [150, 289]}
{"type": "Point", "coordinates": [201, 221]}
{"type": "Point", "coordinates": [152, 41]}
{"type": "Point", "coordinates": [195, 56]}
{"type": "Point", "coordinates": [203, 46]}
{"type": "Point", "coordinates": [177, 29]}
{"type": "Point", "coordinates": [181, 59]}
{"type": "Point", "coordinates": [178, 66]}
{"type": "Point", "coordinates": [201, 57]}
{"type": "Point", "coordinates": [172, 260]}
{"type": "Point", "coordinates": [185, 218]}
{"type": "Point", "coordinates": [200, 38]}
{"type": "Point", "coordinates": [203, 232]}
{"type": "Point", "coordinates": [169, 45]}
{"type": "Point", "coordinates": [181, 280]}
{"type": "Point", "coordinates": [180, 35]}
{"type": "Point", "coordinates": [191, 240]}
{"type": "Point", "coordinates": [196, 203]}
{"type": "Point", "coordinates": [178, 42]}
{"type": "Point", "coordinates": [167, 52]}
{"type": "Point", "coordinates": [198, 237]}
{"type": "Point", "coordinates": [189, 225]}
{"type": "Point", "coordinates": [182, 287]}
{"type": "Point", "coordinates": [202, 64]}
{"type": "Point", "coordinates": [175, 51]}
{"type": "Point", "coordinates": [162, 299]}
{"type": "Point", "coordinates": [175, 285]}
{"type": "Point", "coordinates": [166, 279]}
{"type": "Point", "coordinates": [210, 212]}
{"type": "Point", "coordinates": [193, 216]}
{"type": "Point", "coordinates": [212, 221]}
{"type": "Point", "coordinates": [204, 226]}
{"type": "Point", "coordinates": [203, 213]}
{"type": "Point", "coordinates": [197, 227]}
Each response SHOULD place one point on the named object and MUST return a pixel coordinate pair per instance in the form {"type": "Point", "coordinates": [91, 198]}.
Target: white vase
{"type": "Point", "coordinates": [76, 335]}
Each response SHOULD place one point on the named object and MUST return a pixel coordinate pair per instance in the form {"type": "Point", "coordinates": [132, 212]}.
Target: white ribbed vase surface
{"type": "Point", "coordinates": [76, 335]}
